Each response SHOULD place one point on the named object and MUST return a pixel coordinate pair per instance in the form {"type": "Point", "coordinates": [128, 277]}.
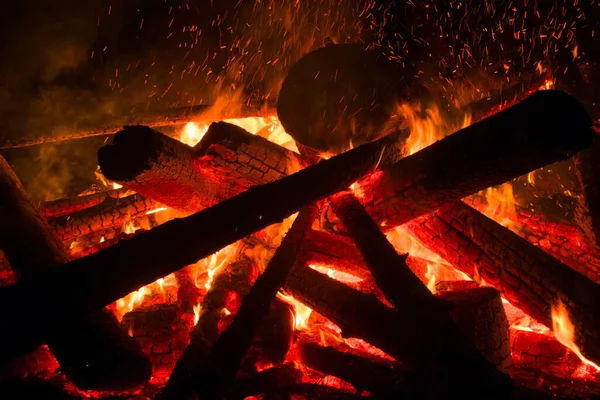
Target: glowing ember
{"type": "Point", "coordinates": [156, 210]}
{"type": "Point", "coordinates": [564, 332]}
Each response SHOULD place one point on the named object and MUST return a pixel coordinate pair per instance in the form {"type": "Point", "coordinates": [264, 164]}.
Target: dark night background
{"type": "Point", "coordinates": [69, 64]}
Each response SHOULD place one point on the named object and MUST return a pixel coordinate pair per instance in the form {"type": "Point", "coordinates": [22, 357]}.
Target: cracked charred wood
{"type": "Point", "coordinates": [444, 340]}
{"type": "Point", "coordinates": [224, 296]}
{"type": "Point", "coordinates": [60, 207]}
{"type": "Point", "coordinates": [479, 313]}
{"type": "Point", "coordinates": [95, 352]}
{"type": "Point", "coordinates": [226, 162]}
{"type": "Point", "coordinates": [108, 214]}
{"type": "Point", "coordinates": [527, 276]}
{"type": "Point", "coordinates": [381, 379]}
{"type": "Point", "coordinates": [219, 368]}
{"type": "Point", "coordinates": [558, 237]}
{"type": "Point", "coordinates": [407, 334]}
{"type": "Point", "coordinates": [166, 117]}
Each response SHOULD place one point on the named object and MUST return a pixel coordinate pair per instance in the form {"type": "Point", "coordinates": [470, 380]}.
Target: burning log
{"type": "Point", "coordinates": [266, 382]}
{"type": "Point", "coordinates": [560, 238]}
{"type": "Point", "coordinates": [479, 313]}
{"type": "Point", "coordinates": [218, 369]}
{"type": "Point", "coordinates": [226, 162]}
{"type": "Point", "coordinates": [275, 335]}
{"type": "Point", "coordinates": [162, 334]}
{"type": "Point", "coordinates": [167, 117]}
{"type": "Point", "coordinates": [58, 208]}
{"type": "Point", "coordinates": [517, 140]}
{"type": "Point", "coordinates": [95, 352]}
{"type": "Point", "coordinates": [88, 283]}
{"type": "Point", "coordinates": [384, 380]}
{"type": "Point", "coordinates": [439, 339]}
{"type": "Point", "coordinates": [527, 276]}
{"type": "Point", "coordinates": [402, 334]}
{"type": "Point", "coordinates": [108, 214]}
{"type": "Point", "coordinates": [223, 298]}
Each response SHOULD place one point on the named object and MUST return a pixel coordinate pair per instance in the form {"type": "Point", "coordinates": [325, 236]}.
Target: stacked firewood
{"type": "Point", "coordinates": [234, 184]}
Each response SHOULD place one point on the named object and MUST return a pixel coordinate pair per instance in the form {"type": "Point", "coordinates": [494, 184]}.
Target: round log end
{"type": "Point", "coordinates": [131, 152]}
{"type": "Point", "coordinates": [557, 119]}
{"type": "Point", "coordinates": [338, 97]}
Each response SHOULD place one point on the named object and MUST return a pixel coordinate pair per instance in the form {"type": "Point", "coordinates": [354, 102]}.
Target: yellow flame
{"type": "Point", "coordinates": [301, 311]}
{"type": "Point", "coordinates": [431, 276]}
{"type": "Point", "coordinates": [501, 204]}
{"type": "Point", "coordinates": [197, 309]}
{"type": "Point", "coordinates": [564, 332]}
{"type": "Point", "coordinates": [426, 126]}
{"type": "Point", "coordinates": [156, 210]}
{"type": "Point", "coordinates": [192, 133]}
{"type": "Point", "coordinates": [115, 185]}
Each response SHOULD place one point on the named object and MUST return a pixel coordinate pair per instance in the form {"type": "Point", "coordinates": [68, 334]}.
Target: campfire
{"type": "Point", "coordinates": [371, 249]}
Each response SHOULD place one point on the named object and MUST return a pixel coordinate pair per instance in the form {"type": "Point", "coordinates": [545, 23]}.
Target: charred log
{"type": "Point", "coordinates": [226, 162]}
{"type": "Point", "coordinates": [517, 140]}
{"type": "Point", "coordinates": [527, 276]}
{"type": "Point", "coordinates": [479, 313]}
{"type": "Point", "coordinates": [95, 352]}
{"type": "Point", "coordinates": [110, 213]}
{"type": "Point", "coordinates": [58, 208]}
{"type": "Point", "coordinates": [381, 379]}
{"type": "Point", "coordinates": [266, 382]}
{"type": "Point", "coordinates": [402, 333]}
{"type": "Point", "coordinates": [167, 117]}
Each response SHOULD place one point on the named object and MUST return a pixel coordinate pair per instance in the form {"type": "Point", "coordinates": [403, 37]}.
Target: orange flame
{"type": "Point", "coordinates": [564, 332]}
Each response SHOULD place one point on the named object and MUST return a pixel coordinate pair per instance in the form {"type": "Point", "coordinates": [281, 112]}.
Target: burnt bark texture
{"type": "Point", "coordinates": [527, 276]}
{"type": "Point", "coordinates": [60, 207]}
{"type": "Point", "coordinates": [381, 379]}
{"type": "Point", "coordinates": [412, 335]}
{"type": "Point", "coordinates": [161, 332]}
{"type": "Point", "coordinates": [111, 213]}
{"type": "Point", "coordinates": [95, 352]}
{"type": "Point", "coordinates": [226, 162]}
{"type": "Point", "coordinates": [560, 238]}
{"type": "Point", "coordinates": [479, 313]}
{"type": "Point", "coordinates": [221, 365]}
{"type": "Point", "coordinates": [91, 282]}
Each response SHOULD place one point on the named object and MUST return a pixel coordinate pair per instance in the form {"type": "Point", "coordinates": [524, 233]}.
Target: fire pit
{"type": "Point", "coordinates": [219, 258]}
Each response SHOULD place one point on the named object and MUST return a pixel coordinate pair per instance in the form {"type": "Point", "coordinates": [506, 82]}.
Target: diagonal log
{"type": "Point", "coordinates": [218, 370]}
{"type": "Point", "coordinates": [89, 283]}
{"type": "Point", "coordinates": [95, 352]}
{"type": "Point", "coordinates": [166, 117]}
{"type": "Point", "coordinates": [442, 351]}
{"type": "Point", "coordinates": [526, 275]}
